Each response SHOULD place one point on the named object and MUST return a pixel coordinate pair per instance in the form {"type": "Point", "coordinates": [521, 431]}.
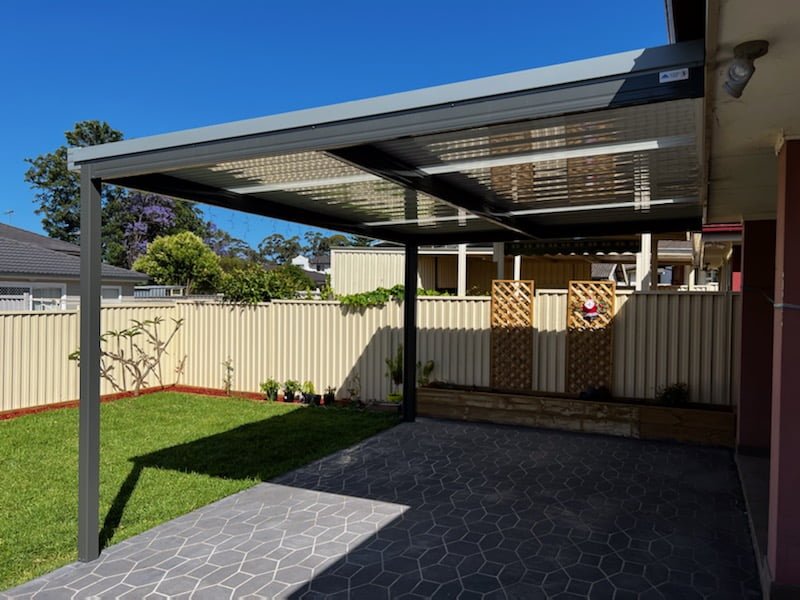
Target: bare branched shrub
{"type": "Point", "coordinates": [134, 354]}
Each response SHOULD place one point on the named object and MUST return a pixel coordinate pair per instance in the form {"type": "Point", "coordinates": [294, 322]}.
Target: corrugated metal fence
{"type": "Point", "coordinates": [660, 338]}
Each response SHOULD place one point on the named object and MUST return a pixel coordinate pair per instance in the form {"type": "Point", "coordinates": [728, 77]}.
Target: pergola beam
{"type": "Point", "coordinates": [173, 186]}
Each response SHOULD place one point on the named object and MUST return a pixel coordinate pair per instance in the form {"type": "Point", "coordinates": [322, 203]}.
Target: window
{"type": "Point", "coordinates": [35, 296]}
{"type": "Point", "coordinates": [47, 298]}
{"type": "Point", "coordinates": [111, 293]}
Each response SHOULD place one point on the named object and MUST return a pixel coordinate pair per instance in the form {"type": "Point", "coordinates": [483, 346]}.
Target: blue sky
{"type": "Point", "coordinates": [149, 66]}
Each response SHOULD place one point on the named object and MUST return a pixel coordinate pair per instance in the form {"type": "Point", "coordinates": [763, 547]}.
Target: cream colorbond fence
{"type": "Point", "coordinates": [36, 369]}
{"type": "Point", "coordinates": [660, 338]}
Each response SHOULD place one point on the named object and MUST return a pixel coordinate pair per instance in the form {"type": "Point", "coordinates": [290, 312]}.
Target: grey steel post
{"type": "Point", "coordinates": [410, 335]}
{"type": "Point", "coordinates": [89, 411]}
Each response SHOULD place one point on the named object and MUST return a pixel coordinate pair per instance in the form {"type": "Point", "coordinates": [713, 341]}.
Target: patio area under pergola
{"type": "Point", "coordinates": [605, 146]}
{"type": "Point", "coordinates": [416, 512]}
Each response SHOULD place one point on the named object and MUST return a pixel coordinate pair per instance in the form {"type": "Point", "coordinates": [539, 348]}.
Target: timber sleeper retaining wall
{"type": "Point", "coordinates": [699, 425]}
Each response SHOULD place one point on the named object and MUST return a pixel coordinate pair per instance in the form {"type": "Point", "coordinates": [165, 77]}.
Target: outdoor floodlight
{"type": "Point", "coordinates": [743, 65]}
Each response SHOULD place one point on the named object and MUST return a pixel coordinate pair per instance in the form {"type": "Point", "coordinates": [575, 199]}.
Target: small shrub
{"type": "Point", "coordinates": [227, 379]}
{"type": "Point", "coordinates": [353, 386]}
{"type": "Point", "coordinates": [675, 394]}
{"type": "Point", "coordinates": [424, 372]}
{"type": "Point", "coordinates": [394, 366]}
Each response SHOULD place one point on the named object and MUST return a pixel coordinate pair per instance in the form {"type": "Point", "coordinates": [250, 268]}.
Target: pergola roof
{"type": "Point", "coordinates": [601, 146]}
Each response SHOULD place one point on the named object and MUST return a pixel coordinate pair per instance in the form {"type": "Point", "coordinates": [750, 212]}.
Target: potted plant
{"type": "Point", "coordinates": [270, 388]}
{"type": "Point", "coordinates": [330, 396]}
{"type": "Point", "coordinates": [291, 391]}
{"type": "Point", "coordinates": [394, 371]}
{"type": "Point", "coordinates": [309, 393]}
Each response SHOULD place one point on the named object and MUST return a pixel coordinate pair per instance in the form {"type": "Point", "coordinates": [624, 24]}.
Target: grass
{"type": "Point", "coordinates": [162, 455]}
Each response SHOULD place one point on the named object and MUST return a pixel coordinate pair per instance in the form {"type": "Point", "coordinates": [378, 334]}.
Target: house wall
{"type": "Point", "coordinates": [659, 339]}
{"type": "Point", "coordinates": [74, 292]}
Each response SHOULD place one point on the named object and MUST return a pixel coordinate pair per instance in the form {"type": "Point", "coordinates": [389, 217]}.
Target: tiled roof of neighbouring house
{"type": "Point", "coordinates": [29, 237]}
{"type": "Point", "coordinates": [24, 258]}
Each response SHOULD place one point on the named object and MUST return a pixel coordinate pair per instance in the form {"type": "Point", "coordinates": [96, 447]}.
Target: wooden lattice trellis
{"type": "Point", "coordinates": [512, 334]}
{"type": "Point", "coordinates": [590, 340]}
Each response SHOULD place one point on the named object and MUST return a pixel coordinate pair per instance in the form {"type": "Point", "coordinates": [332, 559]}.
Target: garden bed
{"type": "Point", "coordinates": [693, 423]}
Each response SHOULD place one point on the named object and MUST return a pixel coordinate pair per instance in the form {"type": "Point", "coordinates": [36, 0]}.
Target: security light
{"type": "Point", "coordinates": [743, 65]}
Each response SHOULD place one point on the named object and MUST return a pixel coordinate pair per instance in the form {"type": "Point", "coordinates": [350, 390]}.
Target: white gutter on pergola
{"type": "Point", "coordinates": [604, 146]}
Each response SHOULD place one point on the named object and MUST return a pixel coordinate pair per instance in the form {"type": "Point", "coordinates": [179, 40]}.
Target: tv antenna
{"type": "Point", "coordinates": [8, 214]}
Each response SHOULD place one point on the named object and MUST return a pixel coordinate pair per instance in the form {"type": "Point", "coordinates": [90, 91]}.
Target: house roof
{"type": "Point", "coordinates": [23, 259]}
{"type": "Point", "coordinates": [320, 259]}
{"type": "Point", "coordinates": [593, 147]}
{"type": "Point", "coordinates": [23, 235]}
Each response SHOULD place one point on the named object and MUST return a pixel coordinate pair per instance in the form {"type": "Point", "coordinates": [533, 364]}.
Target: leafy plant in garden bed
{"type": "Point", "coordinates": [424, 372]}
{"type": "Point", "coordinates": [394, 371]}
{"type": "Point", "coordinates": [676, 394]}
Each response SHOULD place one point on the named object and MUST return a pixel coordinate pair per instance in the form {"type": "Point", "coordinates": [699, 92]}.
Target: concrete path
{"type": "Point", "coordinates": [449, 510]}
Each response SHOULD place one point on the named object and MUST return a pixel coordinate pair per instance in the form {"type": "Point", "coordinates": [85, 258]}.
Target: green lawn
{"type": "Point", "coordinates": [162, 456]}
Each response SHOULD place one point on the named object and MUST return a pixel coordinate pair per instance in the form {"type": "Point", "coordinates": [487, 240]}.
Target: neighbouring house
{"type": "Point", "coordinates": [320, 263]}
{"type": "Point", "coordinates": [316, 267]}
{"type": "Point", "coordinates": [42, 273]}
{"type": "Point", "coordinates": [680, 265]}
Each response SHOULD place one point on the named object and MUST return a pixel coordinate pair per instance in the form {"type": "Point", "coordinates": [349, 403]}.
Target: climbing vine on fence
{"type": "Point", "coordinates": [380, 296]}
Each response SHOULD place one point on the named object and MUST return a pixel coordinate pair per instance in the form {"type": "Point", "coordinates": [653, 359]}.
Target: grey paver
{"type": "Point", "coordinates": [451, 510]}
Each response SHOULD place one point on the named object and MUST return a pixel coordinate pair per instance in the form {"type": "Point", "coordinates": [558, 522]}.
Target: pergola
{"type": "Point", "coordinates": [605, 146]}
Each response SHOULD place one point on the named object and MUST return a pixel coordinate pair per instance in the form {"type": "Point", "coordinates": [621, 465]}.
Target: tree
{"type": "Point", "coordinates": [226, 246]}
{"type": "Point", "coordinates": [135, 219]}
{"type": "Point", "coordinates": [181, 259]}
{"type": "Point", "coordinates": [130, 219]}
{"type": "Point", "coordinates": [319, 245]}
{"type": "Point", "coordinates": [278, 249]}
{"type": "Point", "coordinates": [58, 188]}
{"type": "Point", "coordinates": [361, 241]}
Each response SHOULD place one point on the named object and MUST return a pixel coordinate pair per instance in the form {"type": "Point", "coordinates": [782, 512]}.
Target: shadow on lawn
{"type": "Point", "coordinates": [255, 451]}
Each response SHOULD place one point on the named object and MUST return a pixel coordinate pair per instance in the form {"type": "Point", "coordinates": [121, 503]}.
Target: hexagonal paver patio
{"type": "Point", "coordinates": [450, 510]}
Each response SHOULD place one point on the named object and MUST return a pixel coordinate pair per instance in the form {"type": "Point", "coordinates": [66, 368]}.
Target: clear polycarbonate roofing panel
{"type": "Point", "coordinates": [602, 146]}
{"type": "Point", "coordinates": [644, 156]}
{"type": "Point", "coordinates": [318, 182]}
